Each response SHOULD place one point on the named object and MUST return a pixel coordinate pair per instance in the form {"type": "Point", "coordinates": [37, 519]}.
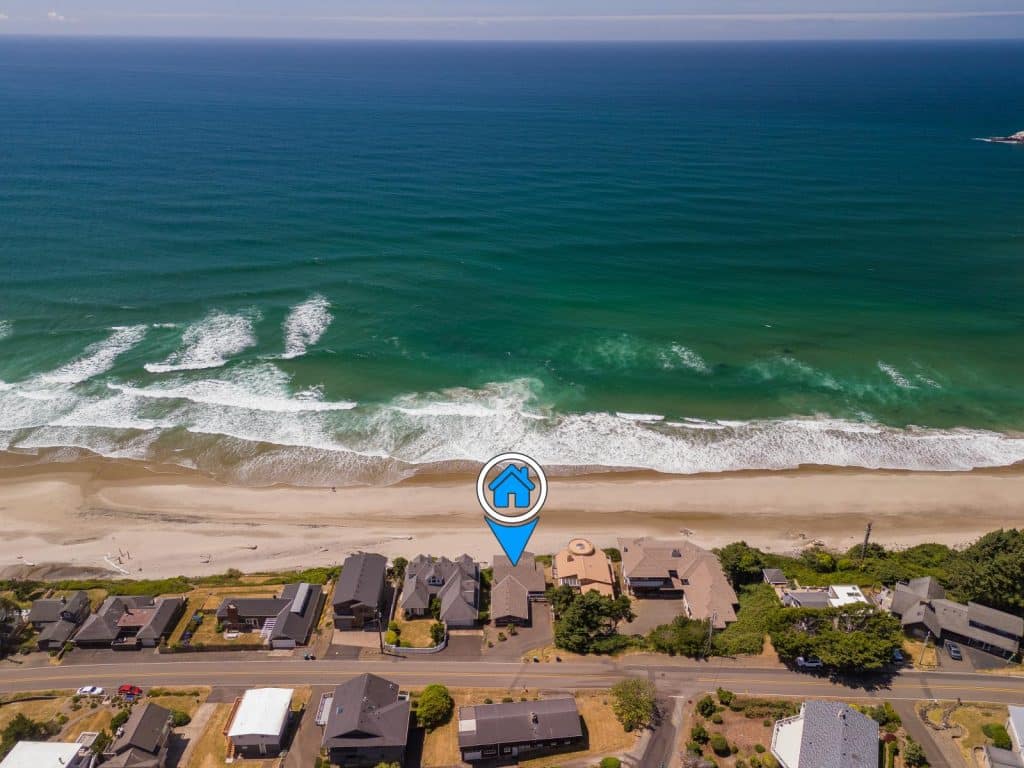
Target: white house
{"type": "Point", "coordinates": [260, 722]}
{"type": "Point", "coordinates": [46, 754]}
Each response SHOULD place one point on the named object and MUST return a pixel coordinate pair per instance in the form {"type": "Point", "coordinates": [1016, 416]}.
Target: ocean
{"type": "Point", "coordinates": [343, 262]}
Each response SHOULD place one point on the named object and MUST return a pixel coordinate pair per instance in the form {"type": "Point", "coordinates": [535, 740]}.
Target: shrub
{"type": "Point", "coordinates": [179, 718]}
{"type": "Point", "coordinates": [719, 745]}
{"type": "Point", "coordinates": [997, 732]}
{"type": "Point", "coordinates": [120, 719]}
{"type": "Point", "coordinates": [759, 748]}
{"type": "Point", "coordinates": [437, 632]}
{"type": "Point", "coordinates": [435, 707]}
{"type": "Point", "coordinates": [610, 762]}
{"type": "Point", "coordinates": [706, 707]}
{"type": "Point", "coordinates": [393, 627]}
{"type": "Point", "coordinates": [488, 701]}
{"type": "Point", "coordinates": [507, 700]}
{"type": "Point", "coordinates": [699, 735]}
{"type": "Point", "coordinates": [391, 638]}
{"type": "Point", "coordinates": [717, 718]}
{"type": "Point", "coordinates": [725, 697]}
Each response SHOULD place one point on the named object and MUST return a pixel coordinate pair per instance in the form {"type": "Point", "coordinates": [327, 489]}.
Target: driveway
{"type": "Point", "coordinates": [922, 734]}
{"type": "Point", "coordinates": [651, 614]}
{"type": "Point", "coordinates": [305, 745]}
{"type": "Point", "coordinates": [526, 639]}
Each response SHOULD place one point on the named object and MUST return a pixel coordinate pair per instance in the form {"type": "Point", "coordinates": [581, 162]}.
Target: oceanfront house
{"type": "Point", "coordinates": [56, 619]}
{"type": "Point", "coordinates": [367, 723]}
{"type": "Point", "coordinates": [454, 584]}
{"type": "Point", "coordinates": [994, 757]}
{"type": "Point", "coordinates": [258, 726]}
{"type": "Point", "coordinates": [284, 621]}
{"type": "Point", "coordinates": [142, 741]}
{"type": "Point", "coordinates": [832, 597]}
{"type": "Point", "coordinates": [519, 730]}
{"type": "Point", "coordinates": [125, 622]}
{"type": "Point", "coordinates": [826, 734]}
{"type": "Point", "coordinates": [679, 569]}
{"type": "Point", "coordinates": [583, 567]}
{"type": "Point", "coordinates": [360, 594]}
{"type": "Point", "coordinates": [48, 754]}
{"type": "Point", "coordinates": [515, 588]}
{"type": "Point", "coordinates": [923, 609]}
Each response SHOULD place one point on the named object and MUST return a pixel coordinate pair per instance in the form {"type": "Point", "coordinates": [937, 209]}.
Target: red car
{"type": "Point", "coordinates": [129, 690]}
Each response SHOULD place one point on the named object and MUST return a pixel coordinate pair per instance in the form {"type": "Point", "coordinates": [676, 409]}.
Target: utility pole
{"type": "Point", "coordinates": [711, 632]}
{"type": "Point", "coordinates": [867, 540]}
{"type": "Point", "coordinates": [380, 632]}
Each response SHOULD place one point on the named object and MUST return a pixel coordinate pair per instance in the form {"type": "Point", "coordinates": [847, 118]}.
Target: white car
{"type": "Point", "coordinates": [90, 690]}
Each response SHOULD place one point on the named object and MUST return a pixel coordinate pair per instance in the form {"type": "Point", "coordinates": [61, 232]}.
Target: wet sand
{"type": "Point", "coordinates": [102, 516]}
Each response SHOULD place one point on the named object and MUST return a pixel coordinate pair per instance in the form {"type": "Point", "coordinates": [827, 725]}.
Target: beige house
{"type": "Point", "coordinates": [679, 569]}
{"type": "Point", "coordinates": [583, 566]}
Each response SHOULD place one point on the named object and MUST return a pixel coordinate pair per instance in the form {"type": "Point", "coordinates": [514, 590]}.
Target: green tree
{"type": "Point", "coordinates": [683, 637]}
{"type": "Point", "coordinates": [398, 566]}
{"type": "Point", "coordinates": [818, 559]}
{"type": "Point", "coordinates": [913, 754]}
{"type": "Point", "coordinates": [991, 571]}
{"type": "Point", "coordinates": [103, 740]}
{"type": "Point", "coordinates": [437, 632]}
{"type": "Point", "coordinates": [742, 563]}
{"type": "Point", "coordinates": [699, 734]}
{"type": "Point", "coordinates": [850, 638]}
{"type": "Point", "coordinates": [435, 706]}
{"type": "Point", "coordinates": [633, 702]}
{"type": "Point", "coordinates": [588, 619]}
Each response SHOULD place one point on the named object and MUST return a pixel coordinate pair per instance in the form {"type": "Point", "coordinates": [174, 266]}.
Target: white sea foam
{"type": "Point", "coordinates": [165, 325]}
{"type": "Point", "coordinates": [305, 324]}
{"type": "Point", "coordinates": [788, 368]}
{"type": "Point", "coordinates": [895, 376]}
{"type": "Point", "coordinates": [210, 342]}
{"type": "Point", "coordinates": [648, 417]}
{"type": "Point", "coordinates": [97, 358]}
{"type": "Point", "coordinates": [6, 328]}
{"type": "Point", "coordinates": [677, 355]}
{"type": "Point", "coordinates": [261, 387]}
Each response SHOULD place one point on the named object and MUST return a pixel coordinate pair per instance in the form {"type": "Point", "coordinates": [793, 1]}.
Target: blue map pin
{"type": "Point", "coordinates": [519, 490]}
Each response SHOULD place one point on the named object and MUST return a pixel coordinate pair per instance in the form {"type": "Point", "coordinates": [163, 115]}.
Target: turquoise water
{"type": "Point", "coordinates": [338, 262]}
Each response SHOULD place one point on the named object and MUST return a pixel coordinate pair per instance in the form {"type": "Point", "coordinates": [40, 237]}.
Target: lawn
{"type": "Point", "coordinates": [211, 749]}
{"type": "Point", "coordinates": [604, 732]}
{"type": "Point", "coordinates": [921, 656]}
{"type": "Point", "coordinates": [971, 717]}
{"type": "Point", "coordinates": [186, 700]}
{"type": "Point", "coordinates": [193, 605]}
{"type": "Point", "coordinates": [41, 710]}
{"type": "Point", "coordinates": [87, 719]}
{"type": "Point", "coordinates": [415, 633]}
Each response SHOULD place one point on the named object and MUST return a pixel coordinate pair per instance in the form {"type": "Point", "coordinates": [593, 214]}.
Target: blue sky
{"type": "Point", "coordinates": [521, 19]}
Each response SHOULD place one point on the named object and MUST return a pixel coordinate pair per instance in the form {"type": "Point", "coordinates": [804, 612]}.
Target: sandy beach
{"type": "Point", "coordinates": [119, 517]}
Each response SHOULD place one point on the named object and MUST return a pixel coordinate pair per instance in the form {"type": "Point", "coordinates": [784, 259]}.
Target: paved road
{"type": "Point", "coordinates": [671, 677]}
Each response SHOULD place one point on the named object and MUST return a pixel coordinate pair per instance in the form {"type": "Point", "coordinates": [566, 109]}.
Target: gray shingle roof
{"type": "Point", "coordinates": [458, 589]}
{"type": "Point", "coordinates": [50, 610]}
{"type": "Point", "coordinates": [160, 624]}
{"type": "Point", "coordinates": [144, 729]}
{"type": "Point", "coordinates": [366, 712]}
{"type": "Point", "coordinates": [519, 722]}
{"type": "Point", "coordinates": [290, 624]}
{"type": "Point", "coordinates": [57, 633]}
{"type": "Point", "coordinates": [509, 598]}
{"type": "Point", "coordinates": [361, 580]}
{"type": "Point", "coordinates": [774, 576]}
{"type": "Point", "coordinates": [526, 571]}
{"type": "Point", "coordinates": [807, 598]}
{"type": "Point", "coordinates": [102, 625]}
{"type": "Point", "coordinates": [1003, 758]}
{"type": "Point", "coordinates": [835, 735]}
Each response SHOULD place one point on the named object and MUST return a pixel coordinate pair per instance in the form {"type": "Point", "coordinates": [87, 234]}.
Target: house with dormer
{"type": "Point", "coordinates": [367, 723]}
{"type": "Point", "coordinates": [454, 584]}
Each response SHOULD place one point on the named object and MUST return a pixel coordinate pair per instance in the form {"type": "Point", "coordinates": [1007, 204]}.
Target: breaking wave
{"type": "Point", "coordinates": [97, 358]}
{"type": "Point", "coordinates": [305, 324]}
{"type": "Point", "coordinates": [895, 376]}
{"type": "Point", "coordinates": [677, 355]}
{"type": "Point", "coordinates": [210, 342]}
{"type": "Point", "coordinates": [6, 328]}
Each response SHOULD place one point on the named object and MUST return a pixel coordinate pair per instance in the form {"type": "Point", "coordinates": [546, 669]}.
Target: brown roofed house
{"type": "Point", "coordinates": [368, 723]}
{"type": "Point", "coordinates": [584, 567]}
{"type": "Point", "coordinates": [130, 621]}
{"type": "Point", "coordinates": [142, 741]}
{"type": "Point", "coordinates": [515, 587]}
{"type": "Point", "coordinates": [679, 569]}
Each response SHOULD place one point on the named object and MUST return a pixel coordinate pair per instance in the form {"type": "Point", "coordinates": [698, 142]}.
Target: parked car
{"type": "Point", "coordinates": [954, 651]}
{"type": "Point", "coordinates": [897, 656]}
{"type": "Point", "coordinates": [129, 690]}
{"type": "Point", "coordinates": [90, 690]}
{"type": "Point", "coordinates": [810, 662]}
